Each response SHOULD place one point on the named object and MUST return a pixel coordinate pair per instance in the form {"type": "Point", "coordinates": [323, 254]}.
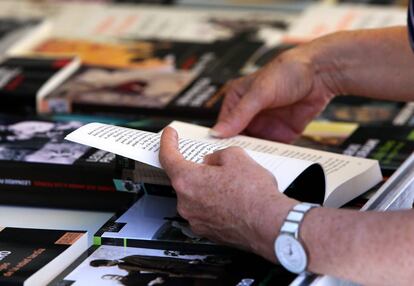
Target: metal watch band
{"type": "Point", "coordinates": [291, 224]}
{"type": "Point", "coordinates": [289, 249]}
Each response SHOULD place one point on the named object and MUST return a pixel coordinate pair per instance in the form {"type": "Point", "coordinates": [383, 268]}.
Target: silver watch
{"type": "Point", "coordinates": [289, 249]}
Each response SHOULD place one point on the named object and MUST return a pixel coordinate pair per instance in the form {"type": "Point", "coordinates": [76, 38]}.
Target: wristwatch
{"type": "Point", "coordinates": [289, 249]}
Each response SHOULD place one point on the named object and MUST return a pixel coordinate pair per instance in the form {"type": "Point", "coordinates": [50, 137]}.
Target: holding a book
{"type": "Point", "coordinates": [232, 199]}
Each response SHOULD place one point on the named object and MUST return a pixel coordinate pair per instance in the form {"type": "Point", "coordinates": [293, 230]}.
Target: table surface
{"type": "Point", "coordinates": [48, 218]}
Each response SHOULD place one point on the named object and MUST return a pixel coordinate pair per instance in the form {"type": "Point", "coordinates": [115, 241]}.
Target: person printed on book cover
{"type": "Point", "coordinates": [150, 270]}
{"type": "Point", "coordinates": [233, 200]}
{"type": "Point", "coordinates": [177, 229]}
{"type": "Point", "coordinates": [39, 141]}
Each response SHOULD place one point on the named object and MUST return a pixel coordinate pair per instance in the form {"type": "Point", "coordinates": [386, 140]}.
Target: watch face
{"type": "Point", "coordinates": [291, 253]}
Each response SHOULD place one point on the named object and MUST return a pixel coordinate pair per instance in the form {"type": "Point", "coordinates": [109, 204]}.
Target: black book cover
{"type": "Point", "coordinates": [191, 90]}
{"type": "Point", "coordinates": [24, 252]}
{"type": "Point", "coordinates": [22, 78]}
{"type": "Point", "coordinates": [39, 167]}
{"type": "Point", "coordinates": [361, 110]}
{"type": "Point", "coordinates": [390, 145]}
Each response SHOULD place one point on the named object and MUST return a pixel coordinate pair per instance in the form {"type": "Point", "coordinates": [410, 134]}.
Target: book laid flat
{"type": "Point", "coordinates": [187, 86]}
{"type": "Point", "coordinates": [390, 145]}
{"type": "Point", "coordinates": [24, 80]}
{"type": "Point", "coordinates": [346, 177]}
{"type": "Point", "coordinates": [36, 256]}
{"type": "Point", "coordinates": [109, 265]}
{"type": "Point", "coordinates": [153, 222]}
{"type": "Point", "coordinates": [53, 172]}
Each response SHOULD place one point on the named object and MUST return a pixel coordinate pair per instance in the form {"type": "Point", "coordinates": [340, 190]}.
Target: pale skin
{"type": "Point", "coordinates": [233, 200]}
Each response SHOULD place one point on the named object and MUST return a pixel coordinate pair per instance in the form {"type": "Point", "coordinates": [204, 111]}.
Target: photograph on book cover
{"type": "Point", "coordinates": [116, 265]}
{"type": "Point", "coordinates": [133, 88]}
{"type": "Point", "coordinates": [137, 55]}
{"type": "Point", "coordinates": [361, 110]}
{"type": "Point", "coordinates": [151, 219]}
{"type": "Point", "coordinates": [39, 141]}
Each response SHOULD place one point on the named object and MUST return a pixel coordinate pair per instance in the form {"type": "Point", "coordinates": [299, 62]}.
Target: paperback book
{"type": "Point", "coordinates": [188, 89]}
{"type": "Point", "coordinates": [24, 81]}
{"type": "Point", "coordinates": [294, 167]}
{"type": "Point", "coordinates": [153, 222]}
{"type": "Point", "coordinates": [363, 110]}
{"type": "Point", "coordinates": [56, 173]}
{"type": "Point", "coordinates": [326, 135]}
{"type": "Point", "coordinates": [14, 29]}
{"type": "Point", "coordinates": [37, 256]}
{"type": "Point", "coordinates": [109, 265]}
{"type": "Point", "coordinates": [390, 145]}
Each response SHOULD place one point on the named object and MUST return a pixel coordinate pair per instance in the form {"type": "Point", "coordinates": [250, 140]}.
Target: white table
{"type": "Point", "coordinates": [29, 217]}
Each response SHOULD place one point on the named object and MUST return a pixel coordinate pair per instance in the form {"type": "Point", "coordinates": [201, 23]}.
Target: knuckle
{"type": "Point", "coordinates": [178, 183]}
{"type": "Point", "coordinates": [207, 158]}
{"type": "Point", "coordinates": [234, 150]}
{"type": "Point", "coordinates": [182, 211]}
{"type": "Point", "coordinates": [232, 153]}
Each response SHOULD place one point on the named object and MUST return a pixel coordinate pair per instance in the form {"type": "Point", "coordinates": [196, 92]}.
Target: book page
{"type": "Point", "coordinates": [144, 147]}
{"type": "Point", "coordinates": [350, 175]}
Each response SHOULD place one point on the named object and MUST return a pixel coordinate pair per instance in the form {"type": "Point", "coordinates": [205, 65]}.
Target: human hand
{"type": "Point", "coordinates": [229, 198]}
{"type": "Point", "coordinates": [278, 101]}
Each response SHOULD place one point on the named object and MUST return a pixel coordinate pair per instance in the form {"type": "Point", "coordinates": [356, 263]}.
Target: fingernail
{"type": "Point", "coordinates": [214, 133]}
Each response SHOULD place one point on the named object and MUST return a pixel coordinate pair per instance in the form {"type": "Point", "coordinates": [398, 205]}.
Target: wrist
{"type": "Point", "coordinates": [330, 59]}
{"type": "Point", "coordinates": [353, 62]}
{"type": "Point", "coordinates": [267, 223]}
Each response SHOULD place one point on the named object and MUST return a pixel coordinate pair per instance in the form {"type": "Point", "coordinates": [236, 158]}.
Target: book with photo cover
{"type": "Point", "coordinates": [108, 265]}
{"type": "Point", "coordinates": [153, 222]}
{"type": "Point", "coordinates": [335, 178]}
{"type": "Point", "coordinates": [53, 172]}
{"type": "Point", "coordinates": [390, 145]}
{"type": "Point", "coordinates": [37, 256]}
{"type": "Point", "coordinates": [366, 111]}
{"type": "Point", "coordinates": [24, 81]}
{"type": "Point", "coordinates": [188, 89]}
{"type": "Point", "coordinates": [326, 135]}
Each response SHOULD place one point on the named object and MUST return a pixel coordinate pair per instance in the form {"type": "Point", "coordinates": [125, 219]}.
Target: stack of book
{"type": "Point", "coordinates": [143, 67]}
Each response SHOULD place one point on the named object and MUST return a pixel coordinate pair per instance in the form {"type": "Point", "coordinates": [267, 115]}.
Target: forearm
{"type": "Point", "coordinates": [370, 248]}
{"type": "Point", "coordinates": [373, 63]}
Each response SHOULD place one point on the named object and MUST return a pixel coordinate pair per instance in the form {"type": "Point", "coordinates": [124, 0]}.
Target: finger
{"type": "Point", "coordinates": [230, 100]}
{"type": "Point", "coordinates": [226, 156]}
{"type": "Point", "coordinates": [170, 157]}
{"type": "Point", "coordinates": [237, 119]}
{"type": "Point", "coordinates": [234, 91]}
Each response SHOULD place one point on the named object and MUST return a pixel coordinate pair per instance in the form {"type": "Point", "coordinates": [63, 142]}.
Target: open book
{"type": "Point", "coordinates": [298, 170]}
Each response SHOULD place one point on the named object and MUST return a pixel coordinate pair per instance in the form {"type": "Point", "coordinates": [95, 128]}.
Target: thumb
{"type": "Point", "coordinates": [237, 119]}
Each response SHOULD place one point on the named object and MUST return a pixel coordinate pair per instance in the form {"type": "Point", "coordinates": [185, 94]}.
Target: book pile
{"type": "Point", "coordinates": [75, 70]}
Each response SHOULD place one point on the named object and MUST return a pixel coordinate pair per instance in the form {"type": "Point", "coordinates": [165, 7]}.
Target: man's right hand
{"type": "Point", "coordinates": [278, 101]}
